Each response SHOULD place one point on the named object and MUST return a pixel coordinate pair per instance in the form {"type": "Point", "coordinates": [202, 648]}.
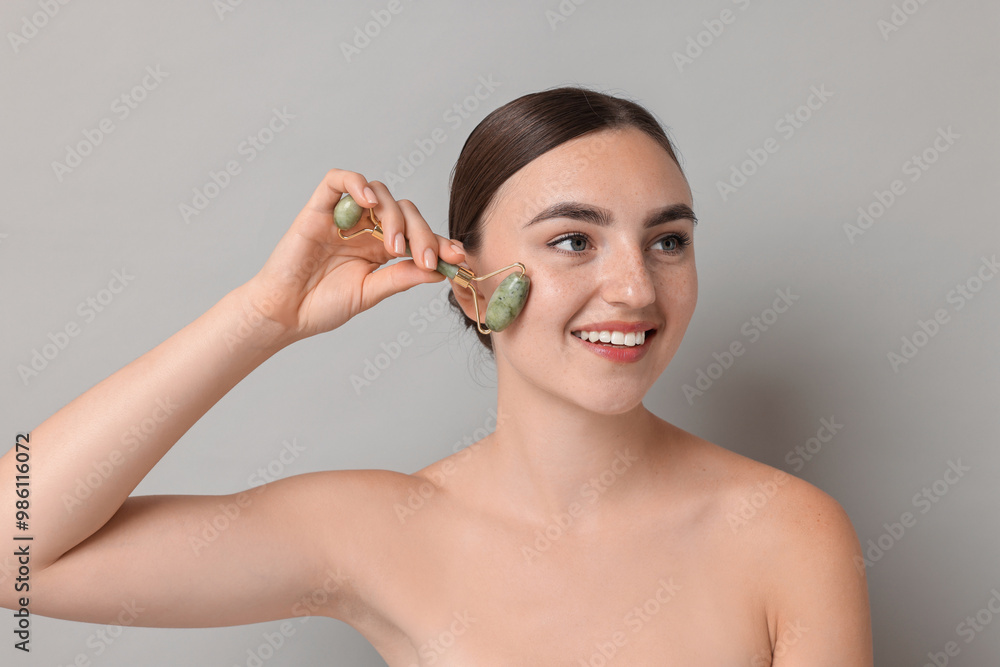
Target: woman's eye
{"type": "Point", "coordinates": [674, 244]}
{"type": "Point", "coordinates": [571, 243]}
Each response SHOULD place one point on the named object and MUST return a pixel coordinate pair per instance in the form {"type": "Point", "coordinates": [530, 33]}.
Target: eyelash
{"type": "Point", "coordinates": [682, 240]}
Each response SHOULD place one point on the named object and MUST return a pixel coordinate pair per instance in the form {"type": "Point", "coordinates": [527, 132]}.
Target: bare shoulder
{"type": "Point", "coordinates": [362, 487]}
{"type": "Point", "coordinates": [806, 553]}
{"type": "Point", "coordinates": [353, 514]}
{"type": "Point", "coordinates": [364, 501]}
{"type": "Point", "coordinates": [758, 499]}
{"type": "Point", "coordinates": [348, 510]}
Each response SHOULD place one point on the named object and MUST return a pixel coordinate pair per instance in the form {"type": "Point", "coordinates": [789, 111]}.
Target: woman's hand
{"type": "Point", "coordinates": [314, 281]}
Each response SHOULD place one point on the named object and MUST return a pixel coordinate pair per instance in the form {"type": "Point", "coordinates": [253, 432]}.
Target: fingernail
{"type": "Point", "coordinates": [400, 243]}
{"type": "Point", "coordinates": [429, 260]}
{"type": "Point", "coordinates": [457, 249]}
{"type": "Point", "coordinates": [370, 195]}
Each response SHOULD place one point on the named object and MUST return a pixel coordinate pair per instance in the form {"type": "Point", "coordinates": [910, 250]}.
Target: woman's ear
{"type": "Point", "coordinates": [464, 298]}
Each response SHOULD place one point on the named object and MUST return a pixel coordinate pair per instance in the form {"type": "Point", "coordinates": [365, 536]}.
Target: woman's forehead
{"type": "Point", "coordinates": [593, 169]}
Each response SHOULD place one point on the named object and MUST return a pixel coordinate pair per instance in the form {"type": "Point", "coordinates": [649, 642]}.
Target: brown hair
{"type": "Point", "coordinates": [515, 134]}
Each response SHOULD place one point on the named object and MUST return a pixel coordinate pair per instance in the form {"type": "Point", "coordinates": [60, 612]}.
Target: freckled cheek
{"type": "Point", "coordinates": [679, 290]}
{"type": "Point", "coordinates": [551, 299]}
{"type": "Point", "coordinates": [560, 281]}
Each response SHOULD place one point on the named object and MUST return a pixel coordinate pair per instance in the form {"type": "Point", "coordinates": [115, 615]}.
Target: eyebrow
{"type": "Point", "coordinates": [602, 217]}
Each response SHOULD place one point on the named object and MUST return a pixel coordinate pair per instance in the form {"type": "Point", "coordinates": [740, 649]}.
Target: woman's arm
{"type": "Point", "coordinates": [85, 461]}
{"type": "Point", "coordinates": [89, 456]}
{"type": "Point", "coordinates": [293, 547]}
{"type": "Point", "coordinates": [93, 550]}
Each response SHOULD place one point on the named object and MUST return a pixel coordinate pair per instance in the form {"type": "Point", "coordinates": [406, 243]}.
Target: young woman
{"type": "Point", "coordinates": [585, 529]}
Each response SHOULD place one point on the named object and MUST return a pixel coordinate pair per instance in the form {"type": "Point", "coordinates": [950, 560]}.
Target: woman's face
{"type": "Point", "coordinates": [584, 272]}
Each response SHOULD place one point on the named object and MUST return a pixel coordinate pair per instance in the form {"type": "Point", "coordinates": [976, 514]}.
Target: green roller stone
{"type": "Point", "coordinates": [347, 212]}
{"type": "Point", "coordinates": [445, 269]}
{"type": "Point", "coordinates": [507, 301]}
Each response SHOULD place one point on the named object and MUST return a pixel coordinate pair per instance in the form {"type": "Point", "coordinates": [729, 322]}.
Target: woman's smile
{"type": "Point", "coordinates": [615, 345]}
{"type": "Point", "coordinates": [616, 340]}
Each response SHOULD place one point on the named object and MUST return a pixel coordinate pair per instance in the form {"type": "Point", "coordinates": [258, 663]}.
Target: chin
{"type": "Point", "coordinates": [610, 400]}
{"type": "Point", "coordinates": [614, 411]}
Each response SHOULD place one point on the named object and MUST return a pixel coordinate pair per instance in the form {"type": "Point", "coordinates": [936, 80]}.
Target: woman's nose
{"type": "Point", "coordinates": [626, 280]}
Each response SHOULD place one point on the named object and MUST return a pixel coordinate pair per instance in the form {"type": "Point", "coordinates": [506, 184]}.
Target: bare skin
{"type": "Point", "coordinates": [583, 527]}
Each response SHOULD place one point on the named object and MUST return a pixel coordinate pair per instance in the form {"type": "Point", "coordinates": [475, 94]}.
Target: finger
{"type": "Point", "coordinates": [393, 222]}
{"type": "Point", "coordinates": [333, 186]}
{"type": "Point", "coordinates": [451, 250]}
{"type": "Point", "coordinates": [445, 249]}
{"type": "Point", "coordinates": [424, 243]}
{"type": "Point", "coordinates": [394, 278]}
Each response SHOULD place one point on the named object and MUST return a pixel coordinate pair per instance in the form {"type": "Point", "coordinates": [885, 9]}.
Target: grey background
{"type": "Point", "coordinates": [825, 357]}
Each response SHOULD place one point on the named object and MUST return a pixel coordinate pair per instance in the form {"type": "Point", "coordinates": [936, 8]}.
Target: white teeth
{"type": "Point", "coordinates": [620, 338]}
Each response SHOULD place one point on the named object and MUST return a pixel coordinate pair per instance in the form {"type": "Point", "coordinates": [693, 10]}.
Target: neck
{"type": "Point", "coordinates": [548, 454]}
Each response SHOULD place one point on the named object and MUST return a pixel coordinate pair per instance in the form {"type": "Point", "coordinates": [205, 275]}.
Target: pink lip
{"type": "Point", "coordinates": [616, 325]}
{"type": "Point", "coordinates": [619, 354]}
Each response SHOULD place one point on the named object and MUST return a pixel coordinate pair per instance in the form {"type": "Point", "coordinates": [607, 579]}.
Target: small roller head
{"type": "Point", "coordinates": [347, 212]}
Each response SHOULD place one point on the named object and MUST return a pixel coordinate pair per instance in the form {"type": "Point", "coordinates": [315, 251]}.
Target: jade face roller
{"type": "Point", "coordinates": [506, 302]}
